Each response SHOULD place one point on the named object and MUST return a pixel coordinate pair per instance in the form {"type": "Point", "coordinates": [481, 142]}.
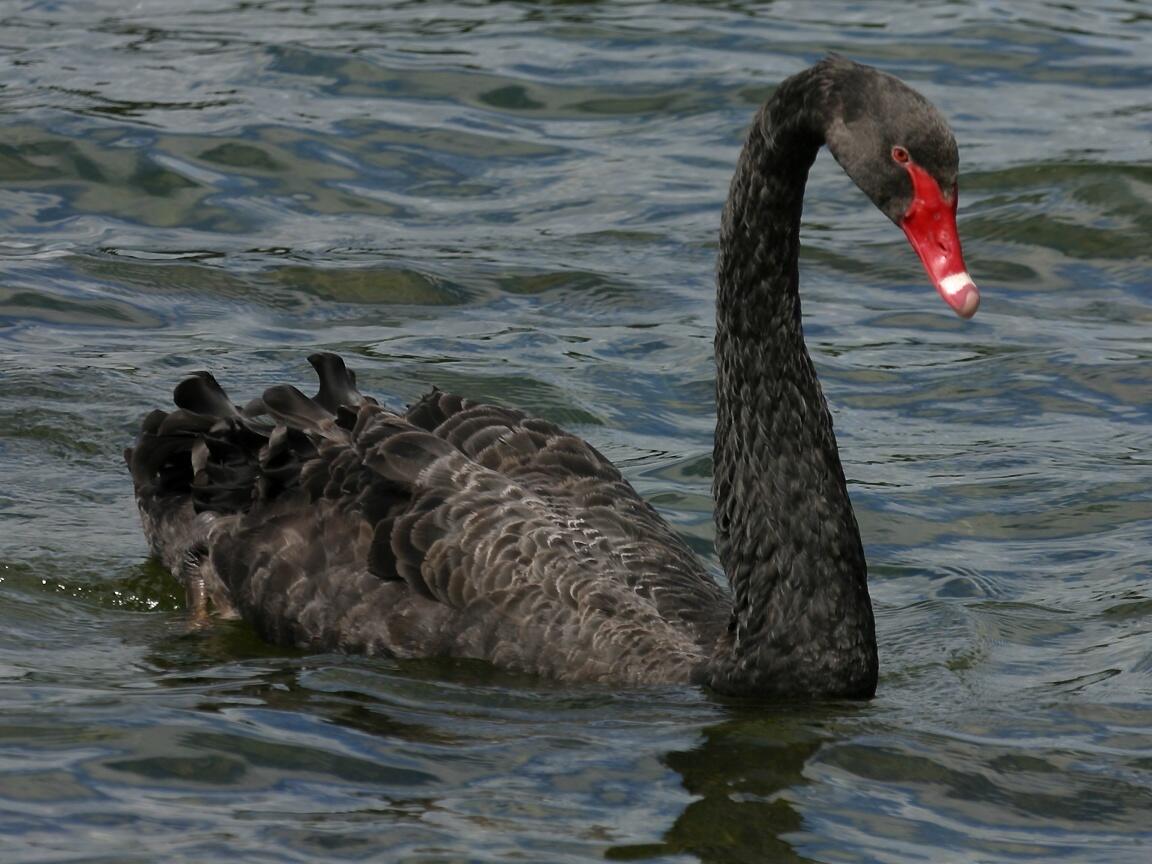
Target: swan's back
{"type": "Point", "coordinates": [453, 529]}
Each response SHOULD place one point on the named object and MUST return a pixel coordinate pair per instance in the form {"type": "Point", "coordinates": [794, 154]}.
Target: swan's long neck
{"type": "Point", "coordinates": [786, 533]}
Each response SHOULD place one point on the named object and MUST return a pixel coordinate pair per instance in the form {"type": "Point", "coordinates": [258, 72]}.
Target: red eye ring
{"type": "Point", "coordinates": [899, 154]}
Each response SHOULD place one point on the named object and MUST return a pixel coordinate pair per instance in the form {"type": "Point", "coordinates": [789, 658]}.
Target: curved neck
{"type": "Point", "coordinates": [786, 534]}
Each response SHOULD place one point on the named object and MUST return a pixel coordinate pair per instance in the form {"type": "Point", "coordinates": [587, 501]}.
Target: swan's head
{"type": "Point", "coordinates": [898, 149]}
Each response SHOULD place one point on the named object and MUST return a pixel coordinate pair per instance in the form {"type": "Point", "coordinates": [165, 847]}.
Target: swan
{"type": "Point", "coordinates": [462, 529]}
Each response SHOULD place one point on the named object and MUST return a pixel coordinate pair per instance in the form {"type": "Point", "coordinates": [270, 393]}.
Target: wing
{"type": "Point", "coordinates": [575, 478]}
{"type": "Point", "coordinates": [455, 529]}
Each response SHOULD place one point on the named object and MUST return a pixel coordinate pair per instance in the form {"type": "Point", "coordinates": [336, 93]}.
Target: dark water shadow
{"type": "Point", "coordinates": [740, 772]}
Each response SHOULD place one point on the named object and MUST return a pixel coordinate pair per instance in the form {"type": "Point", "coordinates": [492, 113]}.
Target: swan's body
{"type": "Point", "coordinates": [469, 530]}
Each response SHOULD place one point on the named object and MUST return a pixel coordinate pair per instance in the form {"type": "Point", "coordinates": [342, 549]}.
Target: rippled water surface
{"type": "Point", "coordinates": [520, 201]}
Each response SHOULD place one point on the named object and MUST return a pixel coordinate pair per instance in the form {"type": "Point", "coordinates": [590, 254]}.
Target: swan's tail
{"type": "Point", "coordinates": [209, 459]}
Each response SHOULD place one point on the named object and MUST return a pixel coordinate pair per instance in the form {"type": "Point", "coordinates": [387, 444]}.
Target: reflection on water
{"type": "Point", "coordinates": [520, 201]}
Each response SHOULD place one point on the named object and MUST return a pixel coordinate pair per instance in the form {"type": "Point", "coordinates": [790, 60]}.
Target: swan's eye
{"type": "Point", "coordinates": [899, 154]}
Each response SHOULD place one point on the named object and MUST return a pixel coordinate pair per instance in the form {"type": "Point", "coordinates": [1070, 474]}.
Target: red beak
{"type": "Point", "coordinates": [930, 224]}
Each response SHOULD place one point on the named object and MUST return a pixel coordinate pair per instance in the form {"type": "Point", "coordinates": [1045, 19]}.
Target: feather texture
{"type": "Point", "coordinates": [455, 528]}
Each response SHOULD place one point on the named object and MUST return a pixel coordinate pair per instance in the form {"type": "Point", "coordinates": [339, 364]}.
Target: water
{"type": "Point", "coordinates": [520, 201]}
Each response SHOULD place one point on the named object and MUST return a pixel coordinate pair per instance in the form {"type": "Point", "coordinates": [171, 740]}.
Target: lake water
{"type": "Point", "coordinates": [520, 201]}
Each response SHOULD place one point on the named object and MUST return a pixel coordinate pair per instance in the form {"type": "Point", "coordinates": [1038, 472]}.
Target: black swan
{"type": "Point", "coordinates": [460, 529]}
